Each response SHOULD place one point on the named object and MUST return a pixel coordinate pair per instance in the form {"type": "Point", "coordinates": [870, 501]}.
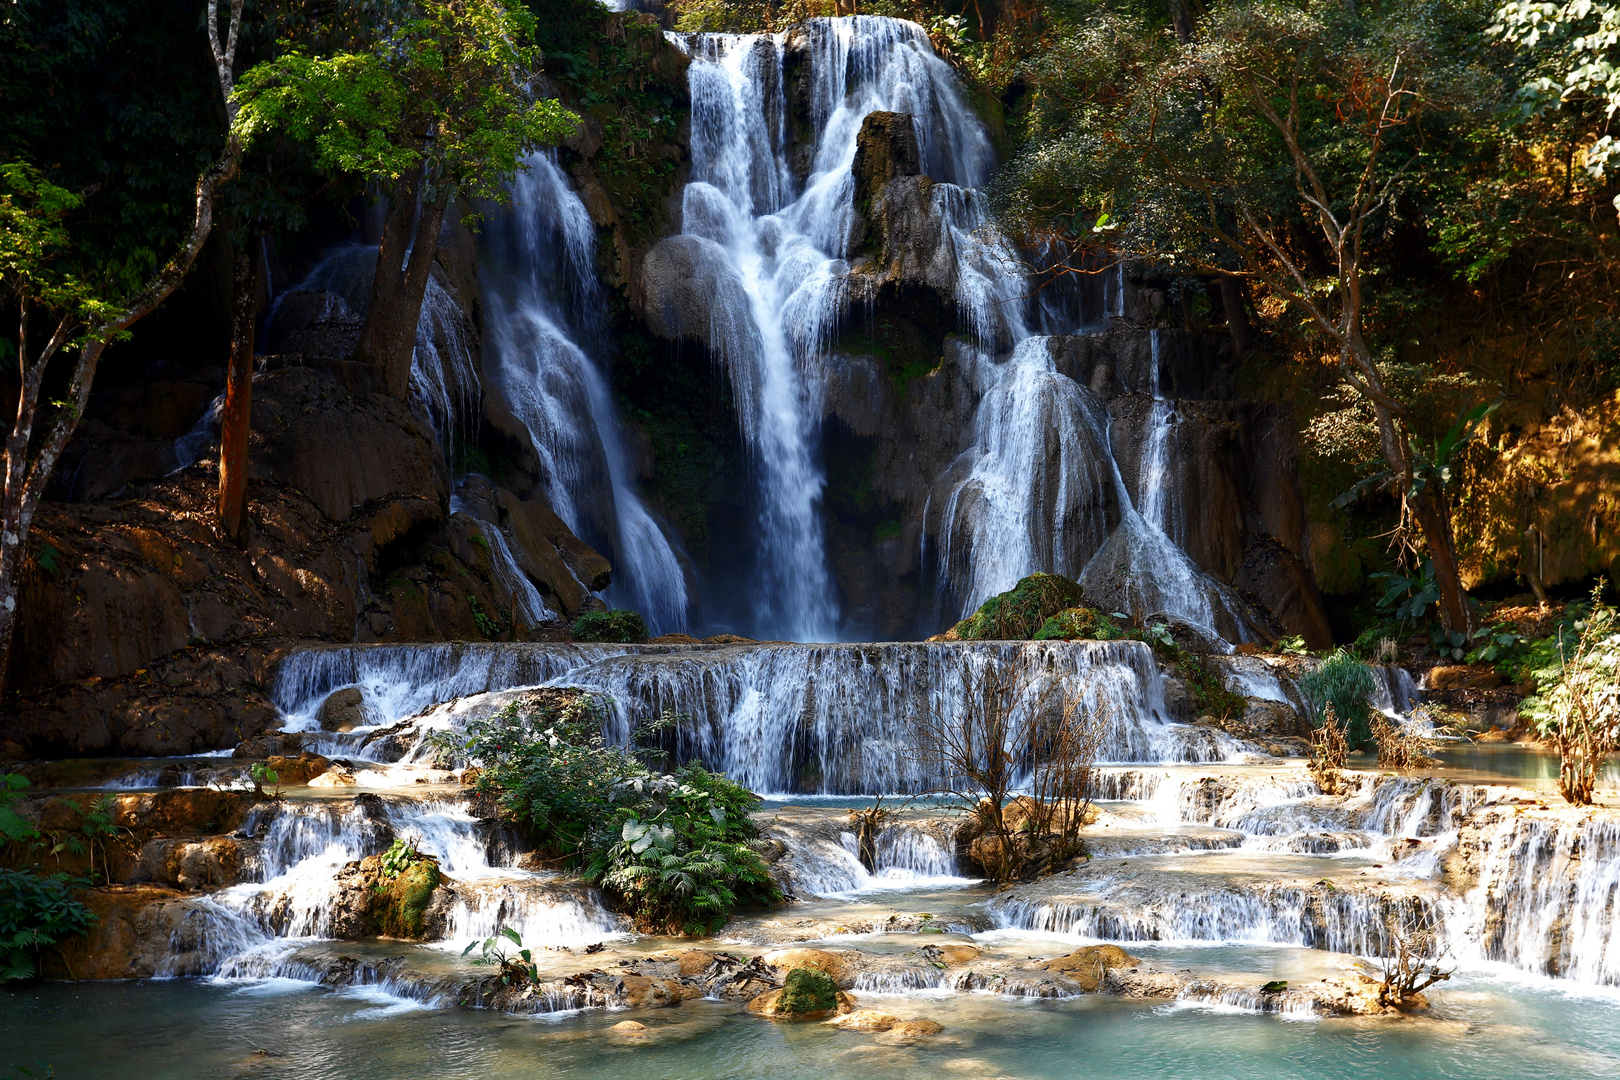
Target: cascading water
{"type": "Point", "coordinates": [546, 304]}
{"type": "Point", "coordinates": [777, 250]}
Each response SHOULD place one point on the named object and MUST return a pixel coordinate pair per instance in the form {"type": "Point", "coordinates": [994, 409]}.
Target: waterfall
{"type": "Point", "coordinates": [547, 304]}
{"type": "Point", "coordinates": [251, 930]}
{"type": "Point", "coordinates": [778, 248]}
{"type": "Point", "coordinates": [1548, 898]}
{"type": "Point", "coordinates": [1037, 493]}
{"type": "Point", "coordinates": [813, 719]}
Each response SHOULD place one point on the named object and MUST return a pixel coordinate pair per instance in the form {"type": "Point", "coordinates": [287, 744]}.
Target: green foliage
{"type": "Point", "coordinates": [36, 911]}
{"type": "Point", "coordinates": [518, 967]}
{"type": "Point", "coordinates": [671, 848]}
{"type": "Point", "coordinates": [1020, 613]}
{"type": "Point", "coordinates": [1079, 622]}
{"type": "Point", "coordinates": [1210, 694]}
{"type": "Point", "coordinates": [263, 774]}
{"type": "Point", "coordinates": [14, 828]}
{"type": "Point", "coordinates": [625, 77]}
{"type": "Point", "coordinates": [681, 860]}
{"type": "Point", "coordinates": [1345, 683]}
{"type": "Point", "coordinates": [1407, 599]}
{"type": "Point", "coordinates": [1551, 662]}
{"type": "Point", "coordinates": [806, 992]}
{"type": "Point", "coordinates": [400, 857]}
{"type": "Point", "coordinates": [445, 89]}
{"type": "Point", "coordinates": [1578, 41]}
{"type": "Point", "coordinates": [487, 624]}
{"type": "Point", "coordinates": [619, 625]}
{"type": "Point", "coordinates": [33, 242]}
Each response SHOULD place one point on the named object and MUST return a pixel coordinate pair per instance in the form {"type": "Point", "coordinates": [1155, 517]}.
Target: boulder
{"type": "Point", "coordinates": [641, 991]}
{"type": "Point", "coordinates": [270, 744]}
{"type": "Point", "coordinates": [690, 290]}
{"type": "Point", "coordinates": [212, 862]}
{"type": "Point", "coordinates": [869, 1020]}
{"type": "Point", "coordinates": [343, 710]}
{"type": "Point", "coordinates": [1280, 581]}
{"type": "Point", "coordinates": [808, 994]}
{"type": "Point", "coordinates": [334, 777]}
{"type": "Point", "coordinates": [837, 966]}
{"type": "Point", "coordinates": [1464, 677]}
{"type": "Point", "coordinates": [1087, 966]}
{"type": "Point", "coordinates": [297, 771]}
{"type": "Point", "coordinates": [140, 931]}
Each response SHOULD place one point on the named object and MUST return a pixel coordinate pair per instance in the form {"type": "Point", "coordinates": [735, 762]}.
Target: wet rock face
{"type": "Point", "coordinates": [412, 904]}
{"type": "Point", "coordinates": [341, 710]}
{"type": "Point", "coordinates": [885, 149]}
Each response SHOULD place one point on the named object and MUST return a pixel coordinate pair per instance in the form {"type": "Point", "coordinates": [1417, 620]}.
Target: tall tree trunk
{"type": "Point", "coordinates": [388, 337]}
{"type": "Point", "coordinates": [1428, 506]}
{"type": "Point", "coordinates": [1237, 314]}
{"type": "Point", "coordinates": [238, 416]}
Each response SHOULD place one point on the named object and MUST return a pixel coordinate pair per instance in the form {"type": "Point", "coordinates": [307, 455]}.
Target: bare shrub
{"type": "Point", "coordinates": [1329, 752]}
{"type": "Point", "coordinates": [1415, 961]}
{"type": "Point", "coordinates": [1399, 747]}
{"type": "Point", "coordinates": [1579, 706]}
{"type": "Point", "coordinates": [1002, 731]}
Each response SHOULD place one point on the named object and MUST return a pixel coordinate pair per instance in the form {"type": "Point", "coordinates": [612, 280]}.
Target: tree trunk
{"type": "Point", "coordinates": [388, 337]}
{"type": "Point", "coordinates": [237, 418]}
{"type": "Point", "coordinates": [1428, 506]}
{"type": "Point", "coordinates": [1237, 314]}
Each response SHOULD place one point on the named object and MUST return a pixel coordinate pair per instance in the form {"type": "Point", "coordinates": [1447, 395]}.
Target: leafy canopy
{"type": "Point", "coordinates": [445, 90]}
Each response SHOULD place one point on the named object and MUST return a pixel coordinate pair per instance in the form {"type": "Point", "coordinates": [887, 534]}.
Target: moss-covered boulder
{"type": "Point", "coordinates": [618, 625]}
{"type": "Point", "coordinates": [806, 994]}
{"type": "Point", "coordinates": [1079, 623]}
{"type": "Point", "coordinates": [1019, 613]}
{"type": "Point", "coordinates": [371, 902]}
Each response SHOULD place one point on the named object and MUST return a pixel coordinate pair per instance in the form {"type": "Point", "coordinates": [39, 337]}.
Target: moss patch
{"type": "Point", "coordinates": [1079, 622]}
{"type": "Point", "coordinates": [807, 992]}
{"type": "Point", "coordinates": [1020, 613]}
{"type": "Point", "coordinates": [397, 906]}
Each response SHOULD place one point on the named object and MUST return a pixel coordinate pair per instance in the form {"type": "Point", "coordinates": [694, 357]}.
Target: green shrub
{"type": "Point", "coordinates": [671, 849]}
{"type": "Point", "coordinates": [1020, 613]}
{"type": "Point", "coordinates": [619, 625]}
{"type": "Point", "coordinates": [36, 911]}
{"type": "Point", "coordinates": [1079, 622]}
{"type": "Point", "coordinates": [1347, 684]}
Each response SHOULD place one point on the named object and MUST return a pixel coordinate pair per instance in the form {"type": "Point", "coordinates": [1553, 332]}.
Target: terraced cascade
{"type": "Point", "coordinates": [1231, 886]}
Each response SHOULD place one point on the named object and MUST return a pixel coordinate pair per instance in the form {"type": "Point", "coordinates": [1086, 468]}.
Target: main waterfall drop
{"type": "Point", "coordinates": [760, 270]}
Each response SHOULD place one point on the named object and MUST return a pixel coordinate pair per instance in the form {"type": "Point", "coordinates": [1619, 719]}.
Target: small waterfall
{"type": "Point", "coordinates": [530, 605]}
{"type": "Point", "coordinates": [444, 380]}
{"type": "Point", "coordinates": [548, 304]}
{"type": "Point", "coordinates": [1548, 898]}
{"type": "Point", "coordinates": [1210, 909]}
{"type": "Point", "coordinates": [1038, 492]}
{"type": "Point", "coordinates": [250, 930]}
{"type": "Point", "coordinates": [400, 681]}
{"type": "Point", "coordinates": [826, 861]}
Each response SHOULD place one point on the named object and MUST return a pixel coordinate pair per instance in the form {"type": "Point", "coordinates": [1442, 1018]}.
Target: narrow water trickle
{"type": "Point", "coordinates": [540, 315]}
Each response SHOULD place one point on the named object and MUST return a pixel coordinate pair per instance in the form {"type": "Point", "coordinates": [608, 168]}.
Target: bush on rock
{"type": "Point", "coordinates": [1079, 623]}
{"type": "Point", "coordinates": [671, 849]}
{"type": "Point", "coordinates": [618, 625]}
{"type": "Point", "coordinates": [1018, 614]}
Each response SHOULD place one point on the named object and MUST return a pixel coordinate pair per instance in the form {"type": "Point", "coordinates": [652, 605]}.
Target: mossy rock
{"type": "Point", "coordinates": [396, 911]}
{"type": "Point", "coordinates": [1079, 623]}
{"type": "Point", "coordinates": [808, 993]}
{"type": "Point", "coordinates": [619, 625]}
{"type": "Point", "coordinates": [1021, 612]}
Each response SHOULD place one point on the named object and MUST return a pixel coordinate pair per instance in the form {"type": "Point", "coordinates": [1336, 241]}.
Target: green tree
{"type": "Point", "coordinates": [86, 317]}
{"type": "Point", "coordinates": [1579, 43]}
{"type": "Point", "coordinates": [1273, 144]}
{"type": "Point", "coordinates": [440, 108]}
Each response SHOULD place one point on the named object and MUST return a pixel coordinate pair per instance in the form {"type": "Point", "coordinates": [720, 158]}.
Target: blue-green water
{"type": "Point", "coordinates": [180, 1030]}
